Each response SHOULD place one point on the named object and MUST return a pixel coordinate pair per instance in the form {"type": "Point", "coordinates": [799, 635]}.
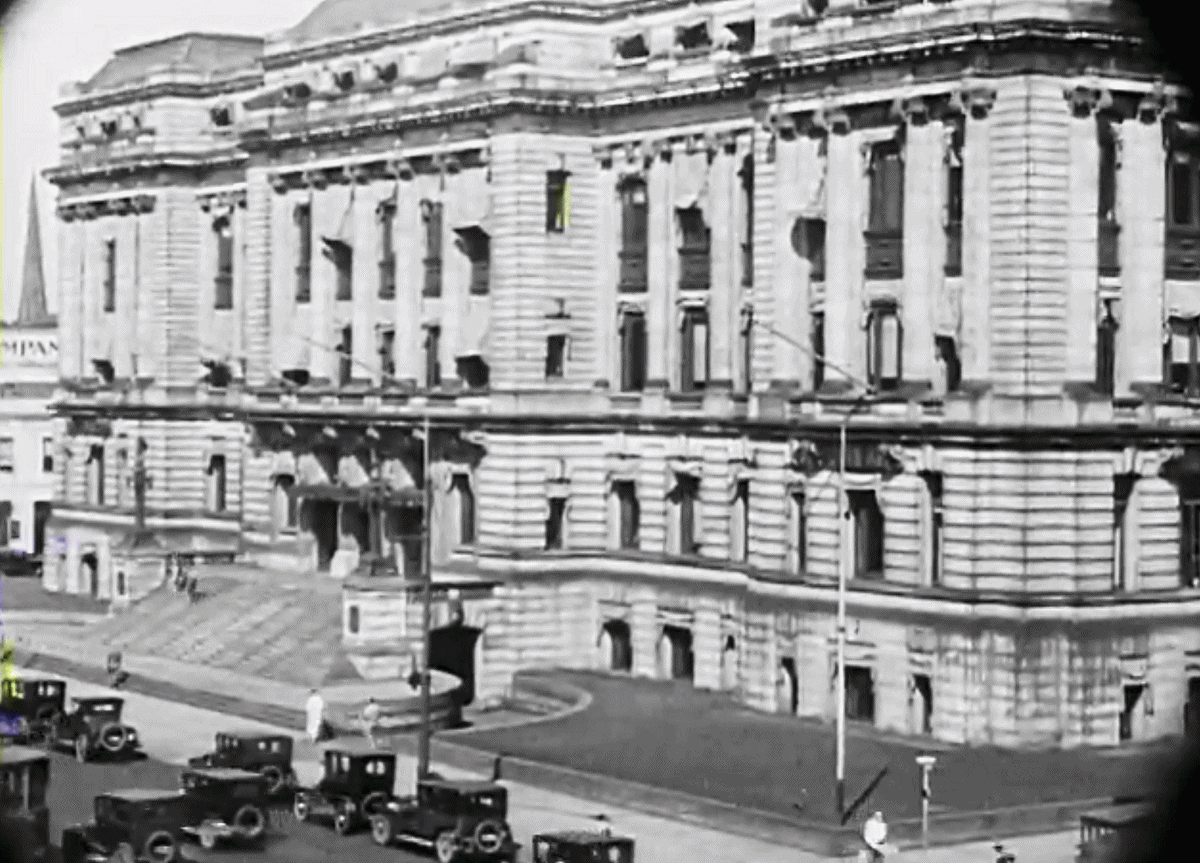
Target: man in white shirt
{"type": "Point", "coordinates": [314, 711]}
{"type": "Point", "coordinates": [875, 835]}
{"type": "Point", "coordinates": [370, 716]}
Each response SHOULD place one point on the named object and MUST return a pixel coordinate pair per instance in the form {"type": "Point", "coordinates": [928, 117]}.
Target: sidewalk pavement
{"type": "Point", "coordinates": [218, 694]}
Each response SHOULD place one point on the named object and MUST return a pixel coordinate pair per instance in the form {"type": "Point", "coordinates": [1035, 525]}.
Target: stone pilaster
{"type": "Point", "coordinates": [607, 238]}
{"type": "Point", "coordinates": [844, 256]}
{"type": "Point", "coordinates": [329, 208]}
{"type": "Point", "coordinates": [1083, 166]}
{"type": "Point", "coordinates": [365, 280]}
{"type": "Point", "coordinates": [1142, 251]}
{"type": "Point", "coordinates": [790, 269]}
{"type": "Point", "coordinates": [280, 275]}
{"type": "Point", "coordinates": [722, 215]}
{"type": "Point", "coordinates": [456, 269]}
{"type": "Point", "coordinates": [976, 102]}
{"type": "Point", "coordinates": [71, 232]}
{"type": "Point", "coordinates": [706, 645]}
{"type": "Point", "coordinates": [660, 267]}
{"type": "Point", "coordinates": [409, 273]}
{"type": "Point", "coordinates": [643, 626]}
{"type": "Point", "coordinates": [923, 239]}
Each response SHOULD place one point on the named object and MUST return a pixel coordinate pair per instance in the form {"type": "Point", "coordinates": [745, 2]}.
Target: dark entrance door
{"type": "Point", "coordinates": [682, 658]}
{"type": "Point", "coordinates": [789, 686]}
{"type": "Point", "coordinates": [357, 523]}
{"type": "Point", "coordinates": [922, 704]}
{"type": "Point", "coordinates": [323, 522]}
{"type": "Point", "coordinates": [452, 650]}
{"type": "Point", "coordinates": [620, 645]}
{"type": "Point", "coordinates": [1133, 696]}
{"type": "Point", "coordinates": [406, 532]}
{"type": "Point", "coordinates": [860, 693]}
{"type": "Point", "coordinates": [41, 514]}
{"type": "Point", "coordinates": [1191, 709]}
{"type": "Point", "coordinates": [91, 572]}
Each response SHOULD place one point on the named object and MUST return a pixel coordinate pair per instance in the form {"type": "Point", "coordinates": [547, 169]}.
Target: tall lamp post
{"type": "Point", "coordinates": [843, 562]}
{"type": "Point", "coordinates": [423, 737]}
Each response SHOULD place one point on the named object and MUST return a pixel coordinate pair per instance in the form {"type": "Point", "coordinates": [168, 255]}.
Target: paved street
{"type": "Point", "coordinates": [172, 732]}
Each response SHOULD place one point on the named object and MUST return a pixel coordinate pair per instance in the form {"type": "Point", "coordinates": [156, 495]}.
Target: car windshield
{"type": "Point", "coordinates": [98, 707]}
{"type": "Point", "coordinates": [158, 810]}
{"type": "Point", "coordinates": [489, 802]}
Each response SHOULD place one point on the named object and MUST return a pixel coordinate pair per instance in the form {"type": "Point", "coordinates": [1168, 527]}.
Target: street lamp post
{"type": "Point", "coordinates": [423, 738]}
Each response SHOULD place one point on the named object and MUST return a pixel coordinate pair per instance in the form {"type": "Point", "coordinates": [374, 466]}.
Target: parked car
{"type": "Point", "coordinates": [93, 725]}
{"type": "Point", "coordinates": [225, 804]}
{"type": "Point", "coordinates": [268, 754]}
{"type": "Point", "coordinates": [146, 822]}
{"type": "Point", "coordinates": [1111, 833]}
{"type": "Point", "coordinates": [357, 784]}
{"type": "Point", "coordinates": [18, 563]}
{"type": "Point", "coordinates": [582, 846]}
{"type": "Point", "coordinates": [24, 817]}
{"type": "Point", "coordinates": [459, 820]}
{"type": "Point", "coordinates": [29, 706]}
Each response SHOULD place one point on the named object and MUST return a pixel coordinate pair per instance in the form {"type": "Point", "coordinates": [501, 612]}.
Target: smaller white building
{"type": "Point", "coordinates": [28, 430]}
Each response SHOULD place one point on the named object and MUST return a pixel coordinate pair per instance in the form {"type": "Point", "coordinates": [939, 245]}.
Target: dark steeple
{"type": "Point", "coordinates": [33, 312]}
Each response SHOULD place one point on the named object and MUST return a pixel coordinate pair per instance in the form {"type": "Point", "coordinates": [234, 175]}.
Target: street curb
{"type": "Point", "coordinates": [948, 828]}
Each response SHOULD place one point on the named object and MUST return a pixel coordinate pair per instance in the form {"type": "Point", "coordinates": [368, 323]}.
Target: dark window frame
{"type": "Point", "coordinates": [467, 513]}
{"type": "Point", "coordinates": [885, 214]}
{"type": "Point", "coordinates": [634, 200]}
{"type": "Point", "coordinates": [432, 217]}
{"type": "Point", "coordinates": [1107, 328]}
{"type": "Point", "coordinates": [223, 275]}
{"type": "Point", "coordinates": [217, 471]}
{"type": "Point", "coordinates": [387, 250]}
{"type": "Point", "coordinates": [689, 380]}
{"type": "Point", "coordinates": [955, 200]}
{"type": "Point", "coordinates": [633, 336]}
{"type": "Point", "coordinates": [432, 357]}
{"type": "Point", "coordinates": [695, 250]}
{"type": "Point", "coordinates": [110, 275]}
{"type": "Point", "coordinates": [387, 353]}
{"type": "Point", "coordinates": [685, 496]}
{"type": "Point", "coordinates": [556, 518]}
{"type": "Point", "coordinates": [629, 515]}
{"type": "Point", "coordinates": [799, 528]}
{"type": "Point", "coordinates": [302, 217]}
{"type": "Point", "coordinates": [1182, 377]}
{"type": "Point", "coordinates": [868, 529]}
{"type": "Point", "coordinates": [556, 356]}
{"type": "Point", "coordinates": [557, 201]}
{"type": "Point", "coordinates": [880, 312]}
{"type": "Point", "coordinates": [746, 176]}
{"type": "Point", "coordinates": [817, 341]}
{"type": "Point", "coordinates": [345, 352]}
{"type": "Point", "coordinates": [1189, 534]}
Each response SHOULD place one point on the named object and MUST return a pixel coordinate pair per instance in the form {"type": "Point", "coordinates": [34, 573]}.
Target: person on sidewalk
{"type": "Point", "coordinates": [314, 712]}
{"type": "Point", "coordinates": [370, 716]}
{"type": "Point", "coordinates": [875, 835]}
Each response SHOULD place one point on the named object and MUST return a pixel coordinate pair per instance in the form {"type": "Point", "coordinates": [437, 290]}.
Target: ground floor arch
{"type": "Point", "coordinates": [616, 645]}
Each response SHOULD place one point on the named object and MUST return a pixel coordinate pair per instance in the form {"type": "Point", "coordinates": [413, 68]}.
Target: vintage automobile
{"type": "Point", "coordinates": [136, 824]}
{"type": "Point", "coordinates": [24, 777]}
{"type": "Point", "coordinates": [357, 784]}
{"type": "Point", "coordinates": [1109, 834]}
{"type": "Point", "coordinates": [92, 726]}
{"type": "Point", "coordinates": [268, 754]}
{"type": "Point", "coordinates": [582, 846]}
{"type": "Point", "coordinates": [28, 707]}
{"type": "Point", "coordinates": [459, 820]}
{"type": "Point", "coordinates": [225, 803]}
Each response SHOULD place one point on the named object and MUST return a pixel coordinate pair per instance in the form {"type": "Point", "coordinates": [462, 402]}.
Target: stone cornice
{"type": "Point", "coordinates": [123, 205]}
{"type": "Point", "coordinates": [222, 203]}
{"type": "Point", "coordinates": [245, 82]}
{"type": "Point", "coordinates": [145, 163]}
{"type": "Point", "coordinates": [386, 166]}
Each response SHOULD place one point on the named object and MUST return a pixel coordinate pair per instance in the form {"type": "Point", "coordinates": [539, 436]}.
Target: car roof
{"type": "Point", "coordinates": [359, 748]}
{"type": "Point", "coordinates": [251, 734]}
{"type": "Point", "coordinates": [21, 755]}
{"type": "Point", "coordinates": [95, 699]}
{"type": "Point", "coordinates": [28, 680]}
{"type": "Point", "coordinates": [224, 774]}
{"type": "Point", "coordinates": [582, 837]}
{"type": "Point", "coordinates": [142, 795]}
{"type": "Point", "coordinates": [467, 786]}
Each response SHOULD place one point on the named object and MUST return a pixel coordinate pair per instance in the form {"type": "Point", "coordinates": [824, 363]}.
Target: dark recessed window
{"type": "Point", "coordinates": [557, 201]}
{"type": "Point", "coordinates": [556, 352]}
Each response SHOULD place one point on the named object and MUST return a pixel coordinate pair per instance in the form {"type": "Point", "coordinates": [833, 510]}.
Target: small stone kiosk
{"type": "Point", "coordinates": [139, 565]}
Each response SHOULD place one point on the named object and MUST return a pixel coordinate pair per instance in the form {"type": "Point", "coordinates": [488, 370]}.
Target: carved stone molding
{"type": "Point", "coordinates": [831, 120]}
{"type": "Point", "coordinates": [315, 179]}
{"type": "Point", "coordinates": [1085, 100]}
{"type": "Point", "coordinates": [915, 110]}
{"type": "Point", "coordinates": [120, 206]}
{"type": "Point", "coordinates": [223, 203]}
{"type": "Point", "coordinates": [280, 183]}
{"type": "Point", "coordinates": [1157, 104]}
{"type": "Point", "coordinates": [976, 99]}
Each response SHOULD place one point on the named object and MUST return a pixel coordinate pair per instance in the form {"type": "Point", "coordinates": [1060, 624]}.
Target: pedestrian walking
{"type": "Point", "coordinates": [370, 717]}
{"type": "Point", "coordinates": [875, 836]}
{"type": "Point", "coordinates": [314, 712]}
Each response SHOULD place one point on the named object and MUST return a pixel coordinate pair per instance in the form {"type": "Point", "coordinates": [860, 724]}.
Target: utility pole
{"type": "Point", "coordinates": [423, 740]}
{"type": "Point", "coordinates": [140, 482]}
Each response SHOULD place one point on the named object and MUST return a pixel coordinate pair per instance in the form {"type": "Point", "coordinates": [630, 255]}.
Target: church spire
{"type": "Point", "coordinates": [33, 311]}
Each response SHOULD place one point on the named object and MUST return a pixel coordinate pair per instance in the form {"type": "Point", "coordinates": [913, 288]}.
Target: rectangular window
{"type": "Point", "coordinates": [431, 217]}
{"type": "Point", "coordinates": [694, 251]}
{"type": "Point", "coordinates": [110, 275]}
{"type": "Point", "coordinates": [818, 349]}
{"type": "Point", "coordinates": [342, 256]}
{"type": "Point", "coordinates": [686, 493]}
{"type": "Point", "coordinates": [5, 516]}
{"type": "Point", "coordinates": [949, 364]}
{"type": "Point", "coordinates": [633, 352]}
{"type": "Point", "coordinates": [954, 200]}
{"type": "Point", "coordinates": [628, 515]}
{"type": "Point", "coordinates": [286, 509]}
{"type": "Point", "coordinates": [883, 346]}
{"type": "Point", "coordinates": [47, 455]}
{"type": "Point", "coordinates": [555, 519]}
{"type": "Point", "coordinates": [303, 219]}
{"type": "Point", "coordinates": [694, 349]}
{"type": "Point", "coordinates": [739, 528]}
{"type": "Point", "coordinates": [14, 529]}
{"type": "Point", "coordinates": [799, 522]}
{"type": "Point", "coordinates": [1180, 361]}
{"type": "Point", "coordinates": [122, 471]}
{"type": "Point", "coordinates": [216, 480]}
{"type": "Point", "coordinates": [433, 364]}
{"type": "Point", "coordinates": [556, 352]}
{"type": "Point", "coordinates": [1109, 260]}
{"type": "Point", "coordinates": [557, 201]}
{"type": "Point", "coordinates": [95, 468]}
{"type": "Point", "coordinates": [747, 191]}
{"type": "Point", "coordinates": [868, 529]}
{"type": "Point", "coordinates": [933, 484]}
{"type": "Point", "coordinates": [345, 352]}
{"type": "Point", "coordinates": [808, 240]}
{"type": "Point", "coordinates": [1183, 212]}
{"type": "Point", "coordinates": [634, 222]}
{"type": "Point", "coordinates": [387, 250]}
{"type": "Point", "coordinates": [1123, 486]}
{"type": "Point", "coordinates": [885, 225]}
{"type": "Point", "coordinates": [746, 353]}
{"type": "Point", "coordinates": [223, 280]}
{"type": "Point", "coordinates": [479, 252]}
{"type": "Point", "coordinates": [7, 454]}
{"type": "Point", "coordinates": [466, 508]}
{"type": "Point", "coordinates": [1189, 537]}
{"type": "Point", "coordinates": [1106, 347]}
{"type": "Point", "coordinates": [387, 354]}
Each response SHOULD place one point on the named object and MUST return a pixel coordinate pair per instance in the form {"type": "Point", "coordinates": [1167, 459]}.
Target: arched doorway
{"type": "Point", "coordinates": [90, 572]}
{"type": "Point", "coordinates": [452, 650]}
{"type": "Point", "coordinates": [320, 518]}
{"type": "Point", "coordinates": [676, 659]}
{"type": "Point", "coordinates": [729, 664]}
{"type": "Point", "coordinates": [616, 645]}
{"type": "Point", "coordinates": [788, 693]}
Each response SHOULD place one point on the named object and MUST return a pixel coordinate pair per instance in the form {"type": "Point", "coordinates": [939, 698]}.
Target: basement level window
{"type": "Point", "coordinates": [632, 47]}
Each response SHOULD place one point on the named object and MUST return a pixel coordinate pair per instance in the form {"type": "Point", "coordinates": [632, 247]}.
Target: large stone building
{"type": "Point", "coordinates": [28, 428]}
{"type": "Point", "coordinates": [636, 264]}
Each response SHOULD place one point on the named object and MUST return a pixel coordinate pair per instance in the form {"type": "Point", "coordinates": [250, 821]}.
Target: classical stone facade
{"type": "Point", "coordinates": [636, 267]}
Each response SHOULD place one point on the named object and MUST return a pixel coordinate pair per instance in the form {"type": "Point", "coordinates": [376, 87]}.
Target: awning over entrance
{"type": "Point", "coordinates": [370, 493]}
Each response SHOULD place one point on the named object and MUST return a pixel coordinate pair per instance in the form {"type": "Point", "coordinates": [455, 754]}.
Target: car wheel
{"type": "Point", "coordinates": [81, 748]}
{"type": "Point", "coordinates": [251, 821]}
{"type": "Point", "coordinates": [300, 807]}
{"type": "Point", "coordinates": [274, 777]}
{"type": "Point", "coordinates": [381, 830]}
{"type": "Point", "coordinates": [160, 847]}
{"type": "Point", "coordinates": [343, 821]}
{"type": "Point", "coordinates": [446, 847]}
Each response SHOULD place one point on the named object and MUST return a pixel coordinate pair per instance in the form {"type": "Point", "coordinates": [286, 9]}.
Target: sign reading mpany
{"type": "Point", "coordinates": [29, 350]}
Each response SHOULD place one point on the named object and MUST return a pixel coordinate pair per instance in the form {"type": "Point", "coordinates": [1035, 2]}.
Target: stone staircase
{"type": "Point", "coordinates": [284, 631]}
